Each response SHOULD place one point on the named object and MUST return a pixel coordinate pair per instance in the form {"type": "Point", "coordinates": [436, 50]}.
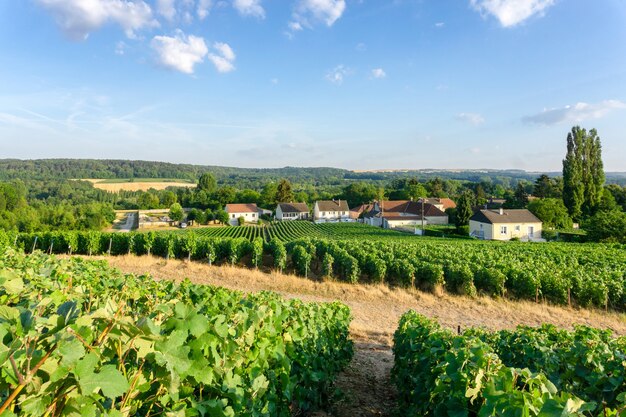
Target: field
{"type": "Point", "coordinates": [137, 184]}
{"type": "Point", "coordinates": [79, 338]}
{"type": "Point", "coordinates": [294, 230]}
{"type": "Point", "coordinates": [541, 371]}
{"type": "Point", "coordinates": [561, 273]}
{"type": "Point", "coordinates": [376, 310]}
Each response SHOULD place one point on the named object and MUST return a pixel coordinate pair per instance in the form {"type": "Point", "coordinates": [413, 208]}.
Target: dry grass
{"type": "Point", "coordinates": [377, 308]}
{"type": "Point", "coordinates": [136, 186]}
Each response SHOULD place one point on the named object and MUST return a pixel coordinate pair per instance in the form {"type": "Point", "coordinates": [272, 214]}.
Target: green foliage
{"type": "Point", "coordinates": [284, 194]}
{"type": "Point", "coordinates": [176, 212]}
{"type": "Point", "coordinates": [464, 208]}
{"type": "Point", "coordinates": [562, 273]}
{"type": "Point", "coordinates": [84, 339]}
{"type": "Point", "coordinates": [526, 372]}
{"type": "Point", "coordinates": [583, 173]}
{"type": "Point", "coordinates": [552, 212]}
{"type": "Point", "coordinates": [241, 221]}
{"type": "Point", "coordinates": [327, 265]}
{"type": "Point", "coordinates": [606, 227]}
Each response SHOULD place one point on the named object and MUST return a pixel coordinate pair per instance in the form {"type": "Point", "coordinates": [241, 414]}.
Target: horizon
{"type": "Point", "coordinates": [473, 85]}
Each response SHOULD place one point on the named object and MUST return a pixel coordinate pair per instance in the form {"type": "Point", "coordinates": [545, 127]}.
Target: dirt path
{"type": "Point", "coordinates": [376, 309]}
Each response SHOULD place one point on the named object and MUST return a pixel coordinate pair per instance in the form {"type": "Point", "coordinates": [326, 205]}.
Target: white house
{"type": "Point", "coordinates": [505, 225]}
{"type": "Point", "coordinates": [326, 211]}
{"type": "Point", "coordinates": [249, 212]}
{"type": "Point", "coordinates": [391, 214]}
{"type": "Point", "coordinates": [292, 211]}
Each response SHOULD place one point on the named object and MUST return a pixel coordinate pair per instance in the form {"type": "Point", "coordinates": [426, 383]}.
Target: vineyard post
{"type": "Point", "coordinates": [458, 329]}
{"type": "Point", "coordinates": [110, 243]}
{"type": "Point", "coordinates": [569, 297]}
{"type": "Point", "coordinates": [51, 246]}
{"type": "Point", "coordinates": [34, 245]}
{"type": "Point", "coordinates": [15, 241]}
{"type": "Point", "coordinates": [69, 248]}
{"type": "Point", "coordinates": [537, 294]}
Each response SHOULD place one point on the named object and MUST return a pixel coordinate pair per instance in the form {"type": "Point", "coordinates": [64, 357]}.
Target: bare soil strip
{"type": "Point", "coordinates": [376, 309]}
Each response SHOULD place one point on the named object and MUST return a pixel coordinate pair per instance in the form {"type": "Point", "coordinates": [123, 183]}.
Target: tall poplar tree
{"type": "Point", "coordinates": [583, 173]}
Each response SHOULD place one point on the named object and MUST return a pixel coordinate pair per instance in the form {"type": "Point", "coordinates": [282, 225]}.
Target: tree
{"type": "Point", "coordinates": [359, 193]}
{"type": "Point", "coordinates": [521, 196]}
{"type": "Point", "coordinates": [544, 187]}
{"type": "Point", "coordinates": [207, 183]}
{"type": "Point", "coordinates": [221, 216]}
{"type": "Point", "coordinates": [241, 221]}
{"type": "Point", "coordinates": [552, 212]}
{"type": "Point", "coordinates": [226, 195]}
{"type": "Point", "coordinates": [268, 195]}
{"type": "Point", "coordinates": [606, 226]}
{"type": "Point", "coordinates": [176, 212]}
{"type": "Point", "coordinates": [464, 208]}
{"type": "Point", "coordinates": [436, 188]}
{"type": "Point", "coordinates": [583, 173]}
{"type": "Point", "coordinates": [284, 192]}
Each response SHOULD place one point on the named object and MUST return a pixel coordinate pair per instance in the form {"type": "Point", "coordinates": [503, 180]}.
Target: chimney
{"type": "Point", "coordinates": [501, 211]}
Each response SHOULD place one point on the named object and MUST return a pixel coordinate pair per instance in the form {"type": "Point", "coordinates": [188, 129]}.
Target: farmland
{"type": "Point", "coordinates": [526, 371]}
{"type": "Point", "coordinates": [115, 185]}
{"type": "Point", "coordinates": [80, 337]}
{"type": "Point", "coordinates": [561, 273]}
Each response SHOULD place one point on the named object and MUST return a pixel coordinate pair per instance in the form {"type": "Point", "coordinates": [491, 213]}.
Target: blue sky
{"type": "Point", "coordinates": [358, 84]}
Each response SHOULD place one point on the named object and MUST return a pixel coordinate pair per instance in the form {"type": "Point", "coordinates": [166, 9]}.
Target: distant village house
{"type": "Point", "coordinates": [403, 213]}
{"type": "Point", "coordinates": [292, 211]}
{"type": "Point", "coordinates": [327, 211]}
{"type": "Point", "coordinates": [504, 224]}
{"type": "Point", "coordinates": [249, 212]}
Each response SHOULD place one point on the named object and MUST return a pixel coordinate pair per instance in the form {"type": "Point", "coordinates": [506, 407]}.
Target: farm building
{"type": "Point", "coordinates": [504, 224]}
{"type": "Point", "coordinates": [292, 211]}
{"type": "Point", "coordinates": [403, 213]}
{"type": "Point", "coordinates": [249, 212]}
{"type": "Point", "coordinates": [441, 203]}
{"type": "Point", "coordinates": [331, 211]}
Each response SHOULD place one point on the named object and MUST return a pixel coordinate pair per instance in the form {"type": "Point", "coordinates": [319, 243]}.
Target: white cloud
{"type": "Point", "coordinates": [78, 18]}
{"type": "Point", "coordinates": [204, 8]}
{"type": "Point", "coordinates": [378, 73]}
{"type": "Point", "coordinates": [512, 12]}
{"type": "Point", "coordinates": [249, 8]}
{"type": "Point", "coordinates": [120, 48]}
{"type": "Point", "coordinates": [167, 8]}
{"type": "Point", "coordinates": [439, 25]}
{"type": "Point", "coordinates": [577, 113]}
{"type": "Point", "coordinates": [309, 12]}
{"type": "Point", "coordinates": [274, 81]}
{"type": "Point", "coordinates": [361, 47]}
{"type": "Point", "coordinates": [223, 57]}
{"type": "Point", "coordinates": [337, 74]}
{"type": "Point", "coordinates": [474, 119]}
{"type": "Point", "coordinates": [181, 52]}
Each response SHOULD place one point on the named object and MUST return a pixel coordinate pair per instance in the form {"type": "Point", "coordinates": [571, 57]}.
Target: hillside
{"type": "Point", "coordinates": [107, 168]}
{"type": "Point", "coordinates": [376, 310]}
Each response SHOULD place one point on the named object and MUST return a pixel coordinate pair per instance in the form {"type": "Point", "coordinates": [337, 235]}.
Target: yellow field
{"type": "Point", "coordinates": [135, 185]}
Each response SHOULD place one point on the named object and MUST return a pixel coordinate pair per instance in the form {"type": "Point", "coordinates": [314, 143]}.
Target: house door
{"type": "Point", "coordinates": [531, 232]}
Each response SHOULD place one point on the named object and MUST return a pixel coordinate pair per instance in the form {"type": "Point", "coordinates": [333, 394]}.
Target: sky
{"type": "Point", "coordinates": [356, 84]}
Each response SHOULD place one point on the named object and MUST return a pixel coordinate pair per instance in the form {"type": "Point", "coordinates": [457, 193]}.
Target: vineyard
{"type": "Point", "coordinates": [584, 275]}
{"type": "Point", "coordinates": [294, 230]}
{"type": "Point", "coordinates": [525, 372]}
{"type": "Point", "coordinates": [78, 338]}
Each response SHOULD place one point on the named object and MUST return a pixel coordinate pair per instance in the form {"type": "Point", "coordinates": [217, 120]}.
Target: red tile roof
{"type": "Point", "coordinates": [241, 208]}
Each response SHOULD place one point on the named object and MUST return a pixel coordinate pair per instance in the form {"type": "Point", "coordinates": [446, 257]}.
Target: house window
{"type": "Point", "coordinates": [503, 230]}
{"type": "Point", "coordinates": [253, 215]}
{"type": "Point", "coordinates": [233, 216]}
{"type": "Point", "coordinates": [518, 228]}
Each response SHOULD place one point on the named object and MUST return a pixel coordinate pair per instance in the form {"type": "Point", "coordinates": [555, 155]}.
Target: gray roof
{"type": "Point", "coordinates": [293, 207]}
{"type": "Point", "coordinates": [508, 216]}
{"type": "Point", "coordinates": [334, 205]}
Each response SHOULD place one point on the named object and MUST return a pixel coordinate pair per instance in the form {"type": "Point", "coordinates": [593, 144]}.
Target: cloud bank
{"type": "Point", "coordinates": [579, 112]}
